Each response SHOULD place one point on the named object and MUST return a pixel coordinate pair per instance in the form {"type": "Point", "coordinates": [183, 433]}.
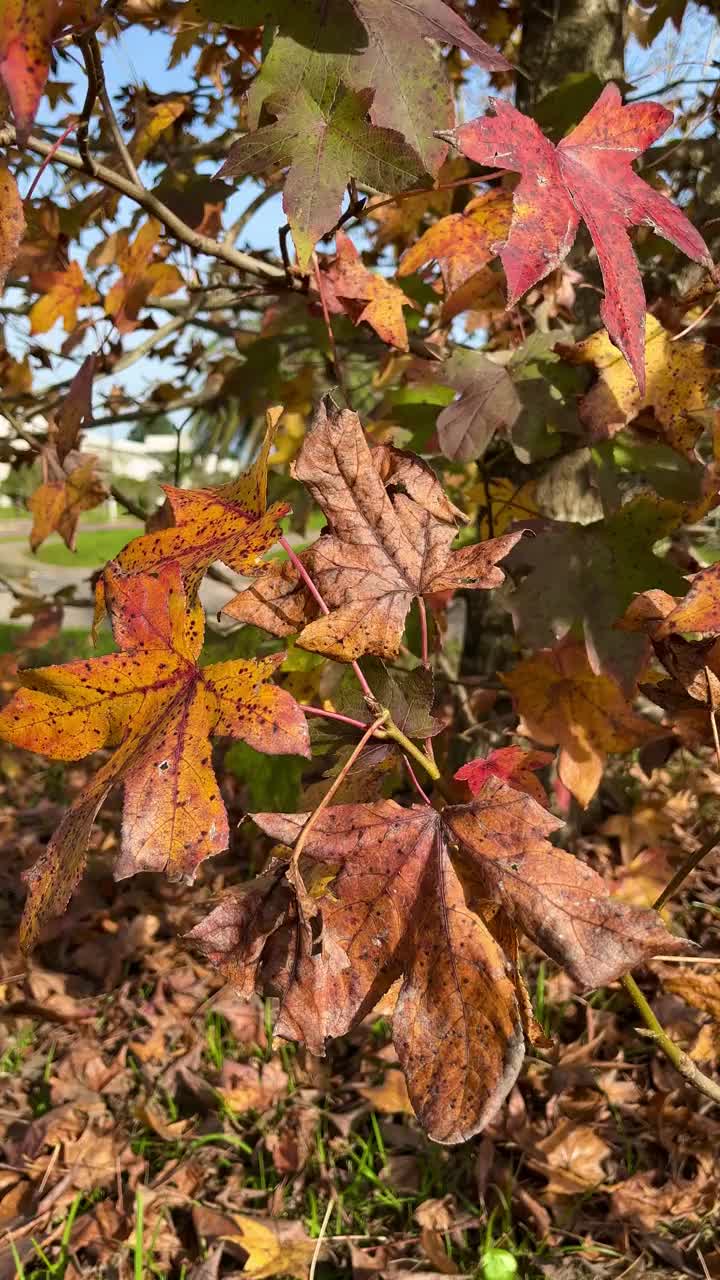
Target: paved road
{"type": "Point", "coordinates": [31, 575]}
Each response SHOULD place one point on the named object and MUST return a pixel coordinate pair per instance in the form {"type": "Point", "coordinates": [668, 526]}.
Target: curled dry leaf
{"type": "Point", "coordinates": [564, 703]}
{"type": "Point", "coordinates": [390, 532]}
{"type": "Point", "coordinates": [403, 893]}
{"type": "Point", "coordinates": [587, 177]}
{"type": "Point", "coordinates": [158, 709]}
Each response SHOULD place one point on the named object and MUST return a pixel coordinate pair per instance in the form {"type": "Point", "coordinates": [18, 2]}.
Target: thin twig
{"type": "Point", "coordinates": [337, 783]}
{"type": "Point", "coordinates": [681, 1061]}
{"type": "Point", "coordinates": [110, 116]}
{"type": "Point", "coordinates": [328, 325]}
{"type": "Point", "coordinates": [332, 715]}
{"type": "Point", "coordinates": [150, 203]}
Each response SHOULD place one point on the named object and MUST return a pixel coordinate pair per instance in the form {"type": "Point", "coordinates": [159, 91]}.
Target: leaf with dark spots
{"type": "Point", "coordinates": [560, 903]}
{"type": "Point", "coordinates": [587, 177]}
{"type": "Point", "coordinates": [395, 907]}
{"type": "Point", "coordinates": [411, 896]}
{"type": "Point", "coordinates": [158, 708]}
{"type": "Point", "coordinates": [12, 222]}
{"type": "Point", "coordinates": [389, 537]}
{"type": "Point", "coordinates": [227, 523]}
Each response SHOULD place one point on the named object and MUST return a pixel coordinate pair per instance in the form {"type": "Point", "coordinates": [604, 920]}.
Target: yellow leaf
{"type": "Point", "coordinates": [274, 1247]}
{"type": "Point", "coordinates": [680, 375]}
{"type": "Point", "coordinates": [66, 292]}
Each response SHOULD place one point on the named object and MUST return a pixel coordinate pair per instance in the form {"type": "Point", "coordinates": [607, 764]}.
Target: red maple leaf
{"type": "Point", "coordinates": [587, 177]}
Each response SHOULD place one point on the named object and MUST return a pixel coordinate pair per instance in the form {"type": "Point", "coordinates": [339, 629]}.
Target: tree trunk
{"type": "Point", "coordinates": [563, 36]}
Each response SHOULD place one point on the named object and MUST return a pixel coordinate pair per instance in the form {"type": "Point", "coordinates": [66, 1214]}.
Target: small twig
{"type": "Point", "coordinates": [129, 504]}
{"type": "Point", "coordinates": [328, 325]}
{"type": "Point", "coordinates": [110, 116]}
{"type": "Point", "coordinates": [318, 1242]}
{"type": "Point", "coordinates": [332, 715]}
{"type": "Point", "coordinates": [684, 871]}
{"type": "Point", "coordinates": [413, 778]}
{"type": "Point", "coordinates": [90, 58]}
{"type": "Point", "coordinates": [337, 783]}
{"type": "Point", "coordinates": [681, 1061]}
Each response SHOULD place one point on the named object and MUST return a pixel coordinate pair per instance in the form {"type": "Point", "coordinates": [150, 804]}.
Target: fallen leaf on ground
{"type": "Point", "coordinates": [274, 1247]}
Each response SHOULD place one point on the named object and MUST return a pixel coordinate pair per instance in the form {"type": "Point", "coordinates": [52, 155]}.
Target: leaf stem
{"type": "Point", "coordinates": [414, 780]}
{"type": "Point", "coordinates": [390, 729]}
{"type": "Point", "coordinates": [681, 1061]}
{"type": "Point", "coordinates": [337, 783]}
{"type": "Point", "coordinates": [328, 325]}
{"type": "Point", "coordinates": [332, 715]}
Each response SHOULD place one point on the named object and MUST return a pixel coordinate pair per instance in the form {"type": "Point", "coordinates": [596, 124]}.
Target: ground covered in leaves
{"type": "Point", "coordinates": [149, 1126]}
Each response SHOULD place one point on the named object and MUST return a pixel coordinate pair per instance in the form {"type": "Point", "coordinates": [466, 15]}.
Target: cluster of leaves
{"type": "Point", "coordinates": [595, 444]}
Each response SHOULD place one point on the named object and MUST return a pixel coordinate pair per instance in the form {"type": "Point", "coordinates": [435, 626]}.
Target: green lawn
{"type": "Point", "coordinates": [92, 549]}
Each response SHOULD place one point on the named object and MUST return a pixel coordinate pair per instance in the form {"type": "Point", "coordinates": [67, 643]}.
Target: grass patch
{"type": "Point", "coordinates": [93, 548]}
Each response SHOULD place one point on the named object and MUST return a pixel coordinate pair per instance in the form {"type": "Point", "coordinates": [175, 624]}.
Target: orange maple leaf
{"type": "Point", "coordinates": [144, 276]}
{"type": "Point", "coordinates": [363, 295]}
{"type": "Point", "coordinates": [64, 292]}
{"type": "Point", "coordinates": [563, 702]}
{"type": "Point", "coordinates": [158, 708]}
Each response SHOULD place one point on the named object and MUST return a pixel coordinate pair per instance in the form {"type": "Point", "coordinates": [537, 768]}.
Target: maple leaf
{"type": "Point", "coordinates": [63, 293]}
{"type": "Point", "coordinates": [227, 523]}
{"type": "Point", "coordinates": [153, 121]}
{"type": "Point", "coordinates": [680, 376]}
{"type": "Point", "coordinates": [322, 136]}
{"type": "Point", "coordinates": [603, 565]}
{"type": "Point", "coordinates": [75, 411]}
{"type": "Point", "coordinates": [462, 243]}
{"type": "Point", "coordinates": [699, 610]}
{"type": "Point", "coordinates": [56, 505]}
{"type": "Point", "coordinates": [12, 222]}
{"type": "Point", "coordinates": [564, 703]}
{"type": "Point", "coordinates": [158, 708]}
{"type": "Point", "coordinates": [25, 36]}
{"type": "Point", "coordinates": [389, 538]}
{"type": "Point", "coordinates": [396, 903]}
{"type": "Point", "coordinates": [487, 403]}
{"type": "Point", "coordinates": [587, 176]}
{"type": "Point", "coordinates": [514, 765]}
{"type": "Point", "coordinates": [368, 44]}
{"type": "Point", "coordinates": [350, 287]}
{"type": "Point", "coordinates": [143, 276]}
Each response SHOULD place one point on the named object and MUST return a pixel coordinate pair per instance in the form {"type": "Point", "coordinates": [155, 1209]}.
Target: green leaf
{"type": "Point", "coordinates": [368, 44]}
{"type": "Point", "coordinates": [498, 1264]}
{"type": "Point", "coordinates": [322, 136]}
{"type": "Point", "coordinates": [273, 782]}
{"type": "Point", "coordinates": [586, 575]}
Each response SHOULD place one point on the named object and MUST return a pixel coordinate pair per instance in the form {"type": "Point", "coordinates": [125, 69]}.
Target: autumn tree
{"type": "Point", "coordinates": [465, 377]}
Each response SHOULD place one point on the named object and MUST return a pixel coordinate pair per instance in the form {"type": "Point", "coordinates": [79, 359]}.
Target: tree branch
{"type": "Point", "coordinates": [150, 203]}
